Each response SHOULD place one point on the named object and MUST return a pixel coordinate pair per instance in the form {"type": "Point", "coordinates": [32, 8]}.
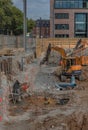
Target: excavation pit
{"type": "Point", "coordinates": [37, 104]}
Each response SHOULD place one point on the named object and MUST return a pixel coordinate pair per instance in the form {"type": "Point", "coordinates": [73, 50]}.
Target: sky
{"type": "Point", "coordinates": [35, 8]}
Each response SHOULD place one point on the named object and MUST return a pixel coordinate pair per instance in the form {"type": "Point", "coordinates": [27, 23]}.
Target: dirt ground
{"type": "Point", "coordinates": [47, 108]}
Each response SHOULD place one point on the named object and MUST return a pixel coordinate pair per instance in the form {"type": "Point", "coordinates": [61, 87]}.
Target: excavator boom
{"type": "Point", "coordinates": [59, 50]}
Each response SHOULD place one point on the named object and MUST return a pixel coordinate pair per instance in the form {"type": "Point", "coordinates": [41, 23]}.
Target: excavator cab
{"type": "Point", "coordinates": [70, 67]}
{"type": "Point", "coordinates": [69, 62]}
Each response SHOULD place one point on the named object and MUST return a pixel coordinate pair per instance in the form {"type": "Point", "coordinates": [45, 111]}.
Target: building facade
{"type": "Point", "coordinates": [68, 18]}
{"type": "Point", "coordinates": [42, 28]}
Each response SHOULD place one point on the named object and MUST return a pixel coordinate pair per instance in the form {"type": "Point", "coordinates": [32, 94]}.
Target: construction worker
{"type": "Point", "coordinates": [17, 90]}
{"type": "Point", "coordinates": [16, 86]}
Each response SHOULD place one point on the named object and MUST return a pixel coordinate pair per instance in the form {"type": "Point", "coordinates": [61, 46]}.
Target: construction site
{"type": "Point", "coordinates": [45, 87]}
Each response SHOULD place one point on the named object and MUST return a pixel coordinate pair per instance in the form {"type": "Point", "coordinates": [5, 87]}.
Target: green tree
{"type": "Point", "coordinates": [11, 18]}
{"type": "Point", "coordinates": [17, 21]}
{"type": "Point", "coordinates": [30, 24]}
{"type": "Point", "coordinates": [5, 14]}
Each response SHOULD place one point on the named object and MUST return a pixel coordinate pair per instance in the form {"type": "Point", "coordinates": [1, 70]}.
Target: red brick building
{"type": "Point", "coordinates": [68, 18]}
{"type": "Point", "coordinates": [42, 28]}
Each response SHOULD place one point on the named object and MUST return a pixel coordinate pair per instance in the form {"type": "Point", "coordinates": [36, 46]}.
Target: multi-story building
{"type": "Point", "coordinates": [42, 28]}
{"type": "Point", "coordinates": [68, 18]}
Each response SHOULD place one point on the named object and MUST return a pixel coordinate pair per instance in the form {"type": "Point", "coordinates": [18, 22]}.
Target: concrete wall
{"type": "Point", "coordinates": [66, 43]}
{"type": "Point", "coordinates": [15, 41]}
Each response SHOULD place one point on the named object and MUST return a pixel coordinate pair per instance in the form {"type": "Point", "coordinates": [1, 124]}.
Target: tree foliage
{"type": "Point", "coordinates": [11, 19]}
{"type": "Point", "coordinates": [5, 14]}
{"type": "Point", "coordinates": [30, 24]}
{"type": "Point", "coordinates": [17, 21]}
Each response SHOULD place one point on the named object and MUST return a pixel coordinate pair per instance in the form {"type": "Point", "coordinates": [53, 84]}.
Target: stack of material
{"type": "Point", "coordinates": [11, 51]}
{"type": "Point", "coordinates": [6, 52]}
{"type": "Point", "coordinates": [81, 48]}
{"type": "Point", "coordinates": [18, 50]}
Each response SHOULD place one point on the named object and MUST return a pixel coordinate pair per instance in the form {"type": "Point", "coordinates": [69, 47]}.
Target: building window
{"type": "Point", "coordinates": [80, 25]}
{"type": "Point", "coordinates": [61, 26]}
{"type": "Point", "coordinates": [61, 15]}
{"type": "Point", "coordinates": [80, 17]}
{"type": "Point", "coordinates": [71, 3]}
{"type": "Point", "coordinates": [80, 35]}
{"type": "Point", "coordinates": [61, 35]}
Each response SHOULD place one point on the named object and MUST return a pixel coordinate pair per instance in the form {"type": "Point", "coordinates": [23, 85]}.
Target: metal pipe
{"type": "Point", "coordinates": [25, 24]}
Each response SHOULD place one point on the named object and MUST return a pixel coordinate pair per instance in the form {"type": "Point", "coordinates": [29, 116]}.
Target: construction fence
{"type": "Point", "coordinates": [15, 41]}
{"type": "Point", "coordinates": [66, 43]}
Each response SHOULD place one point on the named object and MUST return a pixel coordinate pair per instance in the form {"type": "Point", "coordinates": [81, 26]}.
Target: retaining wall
{"type": "Point", "coordinates": [66, 43]}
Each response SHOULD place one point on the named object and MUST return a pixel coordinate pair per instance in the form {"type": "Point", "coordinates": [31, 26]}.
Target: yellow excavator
{"type": "Point", "coordinates": [70, 65]}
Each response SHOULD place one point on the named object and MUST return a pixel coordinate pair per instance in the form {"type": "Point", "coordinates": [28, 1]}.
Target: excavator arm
{"type": "Point", "coordinates": [56, 48]}
{"type": "Point", "coordinates": [59, 50]}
